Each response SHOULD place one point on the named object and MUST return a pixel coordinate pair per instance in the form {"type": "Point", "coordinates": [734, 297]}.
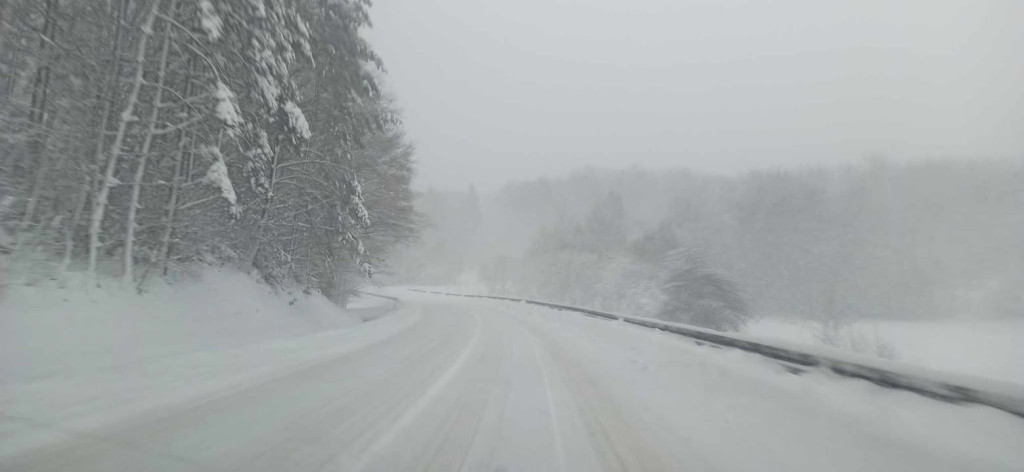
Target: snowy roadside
{"type": "Point", "coordinates": [953, 387]}
{"type": "Point", "coordinates": [750, 410]}
{"type": "Point", "coordinates": [71, 361]}
{"type": "Point", "coordinates": [989, 349]}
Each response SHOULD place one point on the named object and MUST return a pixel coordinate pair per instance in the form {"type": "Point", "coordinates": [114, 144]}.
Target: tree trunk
{"type": "Point", "coordinates": [69, 227]}
{"type": "Point", "coordinates": [185, 139]}
{"type": "Point", "coordinates": [107, 97]}
{"type": "Point", "coordinates": [127, 116]}
{"type": "Point", "coordinates": [265, 214]}
{"type": "Point", "coordinates": [172, 204]}
{"type": "Point", "coordinates": [37, 116]}
{"type": "Point", "coordinates": [140, 170]}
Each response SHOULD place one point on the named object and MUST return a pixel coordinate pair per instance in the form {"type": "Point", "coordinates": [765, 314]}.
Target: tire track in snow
{"type": "Point", "coordinates": [416, 409]}
{"type": "Point", "coordinates": [614, 439]}
{"type": "Point", "coordinates": [552, 409]}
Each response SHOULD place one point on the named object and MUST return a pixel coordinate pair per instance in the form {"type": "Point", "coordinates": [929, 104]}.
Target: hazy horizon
{"type": "Point", "coordinates": [492, 94]}
{"type": "Point", "coordinates": [497, 185]}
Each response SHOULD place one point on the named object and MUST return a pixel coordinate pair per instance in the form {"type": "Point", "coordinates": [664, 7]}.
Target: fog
{"type": "Point", "coordinates": [942, 239]}
{"type": "Point", "coordinates": [839, 164]}
{"type": "Point", "coordinates": [499, 91]}
{"type": "Point", "coordinates": [570, 235]}
{"type": "Point", "coordinates": [831, 160]}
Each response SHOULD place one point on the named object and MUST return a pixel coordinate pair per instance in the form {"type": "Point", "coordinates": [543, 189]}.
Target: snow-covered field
{"type": "Point", "coordinates": [986, 348]}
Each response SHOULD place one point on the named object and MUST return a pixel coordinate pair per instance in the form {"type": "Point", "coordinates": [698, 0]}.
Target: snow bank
{"type": "Point", "coordinates": [989, 348]}
{"type": "Point", "coordinates": [48, 331]}
{"type": "Point", "coordinates": [75, 361]}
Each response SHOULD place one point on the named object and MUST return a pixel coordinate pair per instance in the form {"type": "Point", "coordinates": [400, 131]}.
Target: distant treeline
{"type": "Point", "coordinates": [876, 240]}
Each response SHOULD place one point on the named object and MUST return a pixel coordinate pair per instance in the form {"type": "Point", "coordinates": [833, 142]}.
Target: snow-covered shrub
{"type": "Point", "coordinates": [846, 336]}
{"type": "Point", "coordinates": [696, 295]}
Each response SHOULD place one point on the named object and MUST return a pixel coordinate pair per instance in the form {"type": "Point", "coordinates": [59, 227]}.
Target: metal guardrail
{"type": "Point", "coordinates": [371, 313]}
{"type": "Point", "coordinates": [394, 300]}
{"type": "Point", "coordinates": [1010, 400]}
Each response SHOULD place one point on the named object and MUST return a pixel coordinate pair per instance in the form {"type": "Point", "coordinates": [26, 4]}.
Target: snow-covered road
{"type": "Point", "coordinates": [480, 385]}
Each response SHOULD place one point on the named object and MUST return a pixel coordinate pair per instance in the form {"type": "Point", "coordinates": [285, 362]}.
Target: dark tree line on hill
{"type": "Point", "coordinates": [158, 133]}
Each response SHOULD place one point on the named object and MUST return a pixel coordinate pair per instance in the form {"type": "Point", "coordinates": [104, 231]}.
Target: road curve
{"type": "Point", "coordinates": [483, 385]}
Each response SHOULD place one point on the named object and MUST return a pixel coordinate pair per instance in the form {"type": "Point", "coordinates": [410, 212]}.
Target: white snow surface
{"type": "Point", "coordinates": [268, 87]}
{"type": "Point", "coordinates": [210, 20]}
{"type": "Point", "coordinates": [297, 119]}
{"type": "Point", "coordinates": [226, 109]}
{"type": "Point", "coordinates": [217, 175]}
{"type": "Point", "coordinates": [46, 331]}
{"type": "Point", "coordinates": [448, 383]}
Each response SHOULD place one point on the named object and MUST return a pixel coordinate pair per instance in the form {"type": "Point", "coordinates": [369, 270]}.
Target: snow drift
{"type": "Point", "coordinates": [50, 331]}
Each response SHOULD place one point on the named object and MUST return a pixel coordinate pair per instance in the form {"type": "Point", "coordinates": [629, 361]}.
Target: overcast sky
{"type": "Point", "coordinates": [494, 90]}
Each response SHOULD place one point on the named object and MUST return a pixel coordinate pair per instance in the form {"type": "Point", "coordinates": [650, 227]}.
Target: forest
{"type": "Point", "coordinates": [878, 240]}
{"type": "Point", "coordinates": [141, 137]}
